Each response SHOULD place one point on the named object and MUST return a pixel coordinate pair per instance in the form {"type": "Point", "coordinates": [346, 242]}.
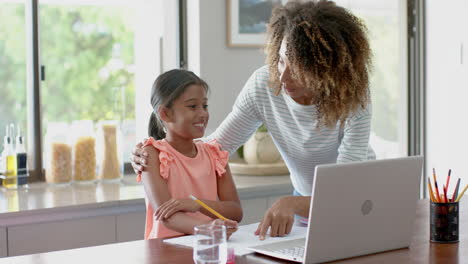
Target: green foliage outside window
{"type": "Point", "coordinates": [12, 66]}
{"type": "Point", "coordinates": [88, 55]}
{"type": "Point", "coordinates": [88, 52]}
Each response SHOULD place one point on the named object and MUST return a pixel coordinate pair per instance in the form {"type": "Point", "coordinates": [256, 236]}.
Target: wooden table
{"type": "Point", "coordinates": [156, 251]}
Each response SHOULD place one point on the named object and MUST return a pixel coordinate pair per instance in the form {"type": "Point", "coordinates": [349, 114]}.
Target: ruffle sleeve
{"type": "Point", "coordinates": [165, 158]}
{"type": "Point", "coordinates": [220, 157]}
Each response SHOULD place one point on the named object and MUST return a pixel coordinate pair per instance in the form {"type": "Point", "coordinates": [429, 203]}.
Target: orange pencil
{"type": "Point", "coordinates": [435, 186]}
{"type": "Point", "coordinates": [445, 194]}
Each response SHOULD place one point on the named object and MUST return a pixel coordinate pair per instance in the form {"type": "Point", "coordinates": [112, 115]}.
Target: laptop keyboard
{"type": "Point", "coordinates": [297, 252]}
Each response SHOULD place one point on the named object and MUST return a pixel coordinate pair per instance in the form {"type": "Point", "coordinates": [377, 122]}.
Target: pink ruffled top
{"type": "Point", "coordinates": [186, 176]}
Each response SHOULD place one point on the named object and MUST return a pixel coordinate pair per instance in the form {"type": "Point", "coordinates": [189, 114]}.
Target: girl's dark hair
{"type": "Point", "coordinates": [329, 53]}
{"type": "Point", "coordinates": [167, 88]}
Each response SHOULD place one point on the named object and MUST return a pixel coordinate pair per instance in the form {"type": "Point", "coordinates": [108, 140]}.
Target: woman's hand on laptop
{"type": "Point", "coordinates": [279, 218]}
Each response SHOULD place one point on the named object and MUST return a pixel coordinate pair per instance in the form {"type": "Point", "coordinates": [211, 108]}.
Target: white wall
{"type": "Point", "coordinates": [224, 69]}
{"type": "Point", "coordinates": [447, 93]}
{"type": "Point", "coordinates": [156, 51]}
{"type": "Point", "coordinates": [148, 31]}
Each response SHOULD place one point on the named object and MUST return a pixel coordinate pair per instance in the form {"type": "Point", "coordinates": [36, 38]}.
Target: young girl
{"type": "Point", "coordinates": [178, 166]}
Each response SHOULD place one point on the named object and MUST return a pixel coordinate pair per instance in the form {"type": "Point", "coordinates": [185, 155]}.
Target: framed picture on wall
{"type": "Point", "coordinates": [247, 21]}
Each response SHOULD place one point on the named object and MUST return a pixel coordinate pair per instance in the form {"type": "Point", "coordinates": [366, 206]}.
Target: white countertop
{"type": "Point", "coordinates": [43, 197]}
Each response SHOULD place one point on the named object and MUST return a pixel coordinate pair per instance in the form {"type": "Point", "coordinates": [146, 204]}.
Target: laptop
{"type": "Point", "coordinates": [356, 209]}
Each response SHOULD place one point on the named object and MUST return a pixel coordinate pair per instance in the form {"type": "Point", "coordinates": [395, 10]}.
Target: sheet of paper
{"type": "Point", "coordinates": [244, 238]}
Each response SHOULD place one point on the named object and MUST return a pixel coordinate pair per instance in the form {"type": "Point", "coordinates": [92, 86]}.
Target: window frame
{"type": "Point", "coordinates": [35, 72]}
{"type": "Point", "coordinates": [416, 11]}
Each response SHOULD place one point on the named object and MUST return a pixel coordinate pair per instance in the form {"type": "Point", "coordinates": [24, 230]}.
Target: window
{"type": "Point", "coordinates": [88, 53]}
{"type": "Point", "coordinates": [12, 65]}
{"type": "Point", "coordinates": [99, 59]}
{"type": "Point", "coordinates": [386, 23]}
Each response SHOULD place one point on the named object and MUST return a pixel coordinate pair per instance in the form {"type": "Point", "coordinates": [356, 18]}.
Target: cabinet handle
{"type": "Point", "coordinates": [461, 53]}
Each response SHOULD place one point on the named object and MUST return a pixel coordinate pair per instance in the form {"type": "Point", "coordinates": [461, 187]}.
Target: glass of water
{"type": "Point", "coordinates": [209, 244]}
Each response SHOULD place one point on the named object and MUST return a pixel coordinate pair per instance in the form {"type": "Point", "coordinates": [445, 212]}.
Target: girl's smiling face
{"type": "Point", "coordinates": [188, 117]}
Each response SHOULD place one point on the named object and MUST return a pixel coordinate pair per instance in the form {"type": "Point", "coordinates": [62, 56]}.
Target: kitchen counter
{"type": "Point", "coordinates": [40, 198]}
{"type": "Point", "coordinates": [84, 215]}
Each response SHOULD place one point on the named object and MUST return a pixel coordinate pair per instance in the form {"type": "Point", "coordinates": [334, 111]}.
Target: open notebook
{"type": "Point", "coordinates": [244, 238]}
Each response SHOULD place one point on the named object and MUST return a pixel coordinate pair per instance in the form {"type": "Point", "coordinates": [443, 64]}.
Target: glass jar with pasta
{"type": "Point", "coordinates": [58, 154]}
{"type": "Point", "coordinates": [109, 147]}
{"type": "Point", "coordinates": [84, 152]}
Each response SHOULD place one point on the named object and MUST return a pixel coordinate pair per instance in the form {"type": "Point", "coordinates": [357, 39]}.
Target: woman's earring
{"type": "Point", "coordinates": [164, 129]}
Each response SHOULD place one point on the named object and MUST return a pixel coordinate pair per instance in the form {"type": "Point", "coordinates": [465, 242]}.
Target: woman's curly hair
{"type": "Point", "coordinates": [328, 53]}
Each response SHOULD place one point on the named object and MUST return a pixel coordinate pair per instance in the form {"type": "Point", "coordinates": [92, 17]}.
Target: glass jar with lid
{"type": "Point", "coordinates": [84, 151]}
{"type": "Point", "coordinates": [109, 148]}
{"type": "Point", "coordinates": [58, 154]}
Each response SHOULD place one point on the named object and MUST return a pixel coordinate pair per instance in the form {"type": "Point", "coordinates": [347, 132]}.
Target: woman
{"type": "Point", "coordinates": [313, 96]}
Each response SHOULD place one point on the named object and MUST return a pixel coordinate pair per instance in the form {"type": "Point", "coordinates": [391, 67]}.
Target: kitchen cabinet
{"type": "Point", "coordinates": [131, 226]}
{"type": "Point", "coordinates": [272, 199]}
{"type": "Point", "coordinates": [253, 210]}
{"type": "Point", "coordinates": [3, 242]}
{"type": "Point", "coordinates": [60, 235]}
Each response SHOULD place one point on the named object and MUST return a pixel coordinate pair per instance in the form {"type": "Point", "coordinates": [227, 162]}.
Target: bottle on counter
{"type": "Point", "coordinates": [109, 146]}
{"type": "Point", "coordinates": [58, 158]}
{"type": "Point", "coordinates": [9, 159]}
{"type": "Point", "coordinates": [84, 152]}
{"type": "Point", "coordinates": [3, 159]}
{"type": "Point", "coordinates": [21, 160]}
{"type": "Point", "coordinates": [2, 166]}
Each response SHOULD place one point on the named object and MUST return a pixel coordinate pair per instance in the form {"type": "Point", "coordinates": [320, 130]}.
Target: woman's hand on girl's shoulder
{"type": "Point", "coordinates": [139, 157]}
{"type": "Point", "coordinates": [152, 155]}
{"type": "Point", "coordinates": [172, 206]}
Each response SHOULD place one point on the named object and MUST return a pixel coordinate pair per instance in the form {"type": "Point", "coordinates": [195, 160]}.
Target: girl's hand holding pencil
{"type": "Point", "coordinates": [231, 226]}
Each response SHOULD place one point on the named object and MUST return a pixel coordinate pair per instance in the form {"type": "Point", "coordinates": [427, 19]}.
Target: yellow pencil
{"type": "Point", "coordinates": [431, 194]}
{"type": "Point", "coordinates": [211, 210]}
{"type": "Point", "coordinates": [460, 196]}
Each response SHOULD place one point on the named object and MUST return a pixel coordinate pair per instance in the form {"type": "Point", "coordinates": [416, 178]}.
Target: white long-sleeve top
{"type": "Point", "coordinates": [293, 129]}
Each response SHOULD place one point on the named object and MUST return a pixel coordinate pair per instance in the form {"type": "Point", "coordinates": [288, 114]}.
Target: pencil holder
{"type": "Point", "coordinates": [444, 222]}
